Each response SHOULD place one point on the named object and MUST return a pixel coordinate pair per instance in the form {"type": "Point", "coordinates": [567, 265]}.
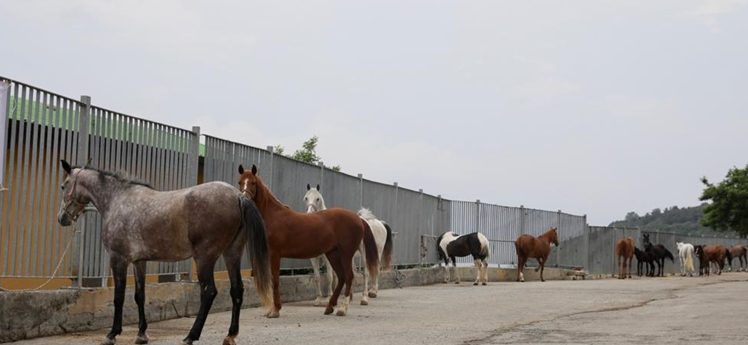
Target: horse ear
{"type": "Point", "coordinates": [308, 187]}
{"type": "Point", "coordinates": [254, 169]}
{"type": "Point", "coordinates": [318, 188]}
{"type": "Point", "coordinates": [241, 169]}
{"type": "Point", "coordinates": [66, 166]}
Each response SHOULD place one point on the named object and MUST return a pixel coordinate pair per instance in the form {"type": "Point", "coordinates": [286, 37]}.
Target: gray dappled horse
{"type": "Point", "coordinates": [140, 224]}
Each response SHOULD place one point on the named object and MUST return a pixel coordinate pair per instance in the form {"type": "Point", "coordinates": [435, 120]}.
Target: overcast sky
{"type": "Point", "coordinates": [591, 107]}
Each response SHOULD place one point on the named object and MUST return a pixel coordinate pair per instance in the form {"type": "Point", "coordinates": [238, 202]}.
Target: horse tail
{"type": "Point", "coordinates": [485, 247]}
{"type": "Point", "coordinates": [387, 251]}
{"type": "Point", "coordinates": [370, 247]}
{"type": "Point", "coordinates": [257, 245]}
{"type": "Point", "coordinates": [728, 254]}
{"type": "Point", "coordinates": [669, 255]}
{"type": "Point", "coordinates": [689, 261]}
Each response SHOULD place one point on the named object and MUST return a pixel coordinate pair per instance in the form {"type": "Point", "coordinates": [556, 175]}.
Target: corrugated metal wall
{"type": "Point", "coordinates": [43, 127]}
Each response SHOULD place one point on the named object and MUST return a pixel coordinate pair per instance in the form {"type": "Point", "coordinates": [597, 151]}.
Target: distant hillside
{"type": "Point", "coordinates": [673, 219]}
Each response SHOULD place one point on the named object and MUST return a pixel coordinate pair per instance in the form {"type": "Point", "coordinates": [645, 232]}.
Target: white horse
{"type": "Point", "coordinates": [685, 253]}
{"type": "Point", "coordinates": [382, 237]}
{"type": "Point", "coordinates": [315, 202]}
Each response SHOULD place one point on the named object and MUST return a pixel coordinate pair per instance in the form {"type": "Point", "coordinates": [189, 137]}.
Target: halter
{"type": "Point", "coordinates": [70, 201]}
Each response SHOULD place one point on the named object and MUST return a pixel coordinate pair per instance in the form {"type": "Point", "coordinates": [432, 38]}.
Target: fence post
{"type": "Point", "coordinates": [82, 159]}
{"type": "Point", "coordinates": [396, 212]}
{"type": "Point", "coordinates": [272, 163]}
{"type": "Point", "coordinates": [521, 219]}
{"type": "Point", "coordinates": [194, 175]}
{"type": "Point", "coordinates": [4, 110]}
{"type": "Point", "coordinates": [558, 250]}
{"type": "Point", "coordinates": [360, 191]}
{"type": "Point", "coordinates": [587, 231]}
{"type": "Point", "coordinates": [477, 215]}
{"type": "Point", "coordinates": [321, 173]}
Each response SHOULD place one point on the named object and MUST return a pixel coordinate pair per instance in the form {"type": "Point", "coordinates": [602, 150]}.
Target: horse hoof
{"type": "Point", "coordinates": [364, 302]}
{"type": "Point", "coordinates": [484, 283]}
{"type": "Point", "coordinates": [319, 301]}
{"type": "Point", "coordinates": [273, 314]}
{"type": "Point", "coordinates": [372, 294]}
{"type": "Point", "coordinates": [187, 341]}
{"type": "Point", "coordinates": [340, 313]}
{"type": "Point", "coordinates": [108, 341]}
{"type": "Point", "coordinates": [328, 310]}
{"type": "Point", "coordinates": [476, 283]}
{"type": "Point", "coordinates": [457, 282]}
{"type": "Point", "coordinates": [141, 339]}
{"type": "Point", "coordinates": [229, 341]}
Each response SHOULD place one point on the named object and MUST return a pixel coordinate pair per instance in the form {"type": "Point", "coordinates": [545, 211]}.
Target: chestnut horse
{"type": "Point", "coordinates": [539, 248]}
{"type": "Point", "coordinates": [714, 254]}
{"type": "Point", "coordinates": [739, 251]}
{"type": "Point", "coordinates": [335, 232]}
{"type": "Point", "coordinates": [140, 224]}
{"type": "Point", "coordinates": [624, 254]}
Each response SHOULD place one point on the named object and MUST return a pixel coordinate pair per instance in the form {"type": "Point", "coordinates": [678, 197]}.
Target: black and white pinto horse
{"type": "Point", "coordinates": [449, 246]}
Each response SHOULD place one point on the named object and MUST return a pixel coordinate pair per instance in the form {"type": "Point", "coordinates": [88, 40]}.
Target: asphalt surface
{"type": "Point", "coordinates": [671, 310]}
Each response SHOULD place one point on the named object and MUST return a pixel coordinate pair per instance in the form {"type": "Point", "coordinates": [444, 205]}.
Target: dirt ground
{"type": "Point", "coordinates": [671, 310]}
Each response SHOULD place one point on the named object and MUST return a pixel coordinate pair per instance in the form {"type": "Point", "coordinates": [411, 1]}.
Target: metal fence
{"type": "Point", "coordinates": [40, 127]}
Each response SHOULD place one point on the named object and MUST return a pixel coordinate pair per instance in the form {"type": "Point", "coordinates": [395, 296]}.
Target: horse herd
{"type": "Point", "coordinates": [215, 219]}
{"type": "Point", "coordinates": [712, 258]}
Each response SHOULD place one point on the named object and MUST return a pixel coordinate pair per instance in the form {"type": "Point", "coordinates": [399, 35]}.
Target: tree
{"type": "Point", "coordinates": [728, 209]}
{"type": "Point", "coordinates": [307, 153]}
{"type": "Point", "coordinates": [632, 216]}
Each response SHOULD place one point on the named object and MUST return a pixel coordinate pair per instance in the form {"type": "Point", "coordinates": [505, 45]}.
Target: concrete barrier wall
{"type": "Point", "coordinates": [26, 315]}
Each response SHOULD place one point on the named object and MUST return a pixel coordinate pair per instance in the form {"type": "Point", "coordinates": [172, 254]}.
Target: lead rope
{"type": "Point", "coordinates": [57, 268]}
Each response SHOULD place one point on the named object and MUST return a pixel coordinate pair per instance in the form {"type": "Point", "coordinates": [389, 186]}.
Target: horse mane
{"type": "Point", "coordinates": [366, 213]}
{"type": "Point", "coordinates": [118, 176]}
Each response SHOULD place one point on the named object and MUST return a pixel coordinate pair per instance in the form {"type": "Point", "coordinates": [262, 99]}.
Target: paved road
{"type": "Point", "coordinates": [672, 310]}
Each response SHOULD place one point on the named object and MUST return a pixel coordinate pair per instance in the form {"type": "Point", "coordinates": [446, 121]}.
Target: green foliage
{"type": "Point", "coordinates": [673, 219]}
{"type": "Point", "coordinates": [728, 209]}
{"type": "Point", "coordinates": [307, 153]}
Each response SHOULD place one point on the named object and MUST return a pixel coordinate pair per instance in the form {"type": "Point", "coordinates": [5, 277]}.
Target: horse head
{"type": "Point", "coordinates": [248, 181]}
{"type": "Point", "coordinates": [74, 196]}
{"type": "Point", "coordinates": [313, 199]}
{"type": "Point", "coordinates": [645, 239]}
{"type": "Point", "coordinates": [553, 236]}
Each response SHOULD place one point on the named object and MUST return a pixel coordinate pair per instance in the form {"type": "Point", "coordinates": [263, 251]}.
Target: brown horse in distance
{"type": "Point", "coordinates": [528, 246]}
{"type": "Point", "coordinates": [714, 254]}
{"type": "Point", "coordinates": [741, 252]}
{"type": "Point", "coordinates": [624, 254]}
{"type": "Point", "coordinates": [335, 232]}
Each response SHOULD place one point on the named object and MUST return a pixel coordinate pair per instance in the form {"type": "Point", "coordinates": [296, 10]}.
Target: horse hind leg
{"type": "Point", "coordinates": [233, 267]}
{"type": "Point", "coordinates": [485, 272]}
{"type": "Point", "coordinates": [454, 269]}
{"type": "Point", "coordinates": [348, 275]}
{"type": "Point", "coordinates": [208, 293]}
{"type": "Point", "coordinates": [140, 267]}
{"type": "Point", "coordinates": [365, 293]}
{"type": "Point", "coordinates": [333, 258]}
{"type": "Point", "coordinates": [478, 271]}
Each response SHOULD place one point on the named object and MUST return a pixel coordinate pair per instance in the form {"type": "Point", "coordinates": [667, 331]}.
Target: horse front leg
{"type": "Point", "coordinates": [275, 260]}
{"type": "Point", "coordinates": [478, 271]}
{"type": "Point", "coordinates": [542, 267]}
{"type": "Point", "coordinates": [140, 267]}
{"type": "Point", "coordinates": [119, 274]}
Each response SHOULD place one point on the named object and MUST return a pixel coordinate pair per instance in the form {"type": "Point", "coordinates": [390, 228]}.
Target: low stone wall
{"type": "Point", "coordinates": [42, 313]}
